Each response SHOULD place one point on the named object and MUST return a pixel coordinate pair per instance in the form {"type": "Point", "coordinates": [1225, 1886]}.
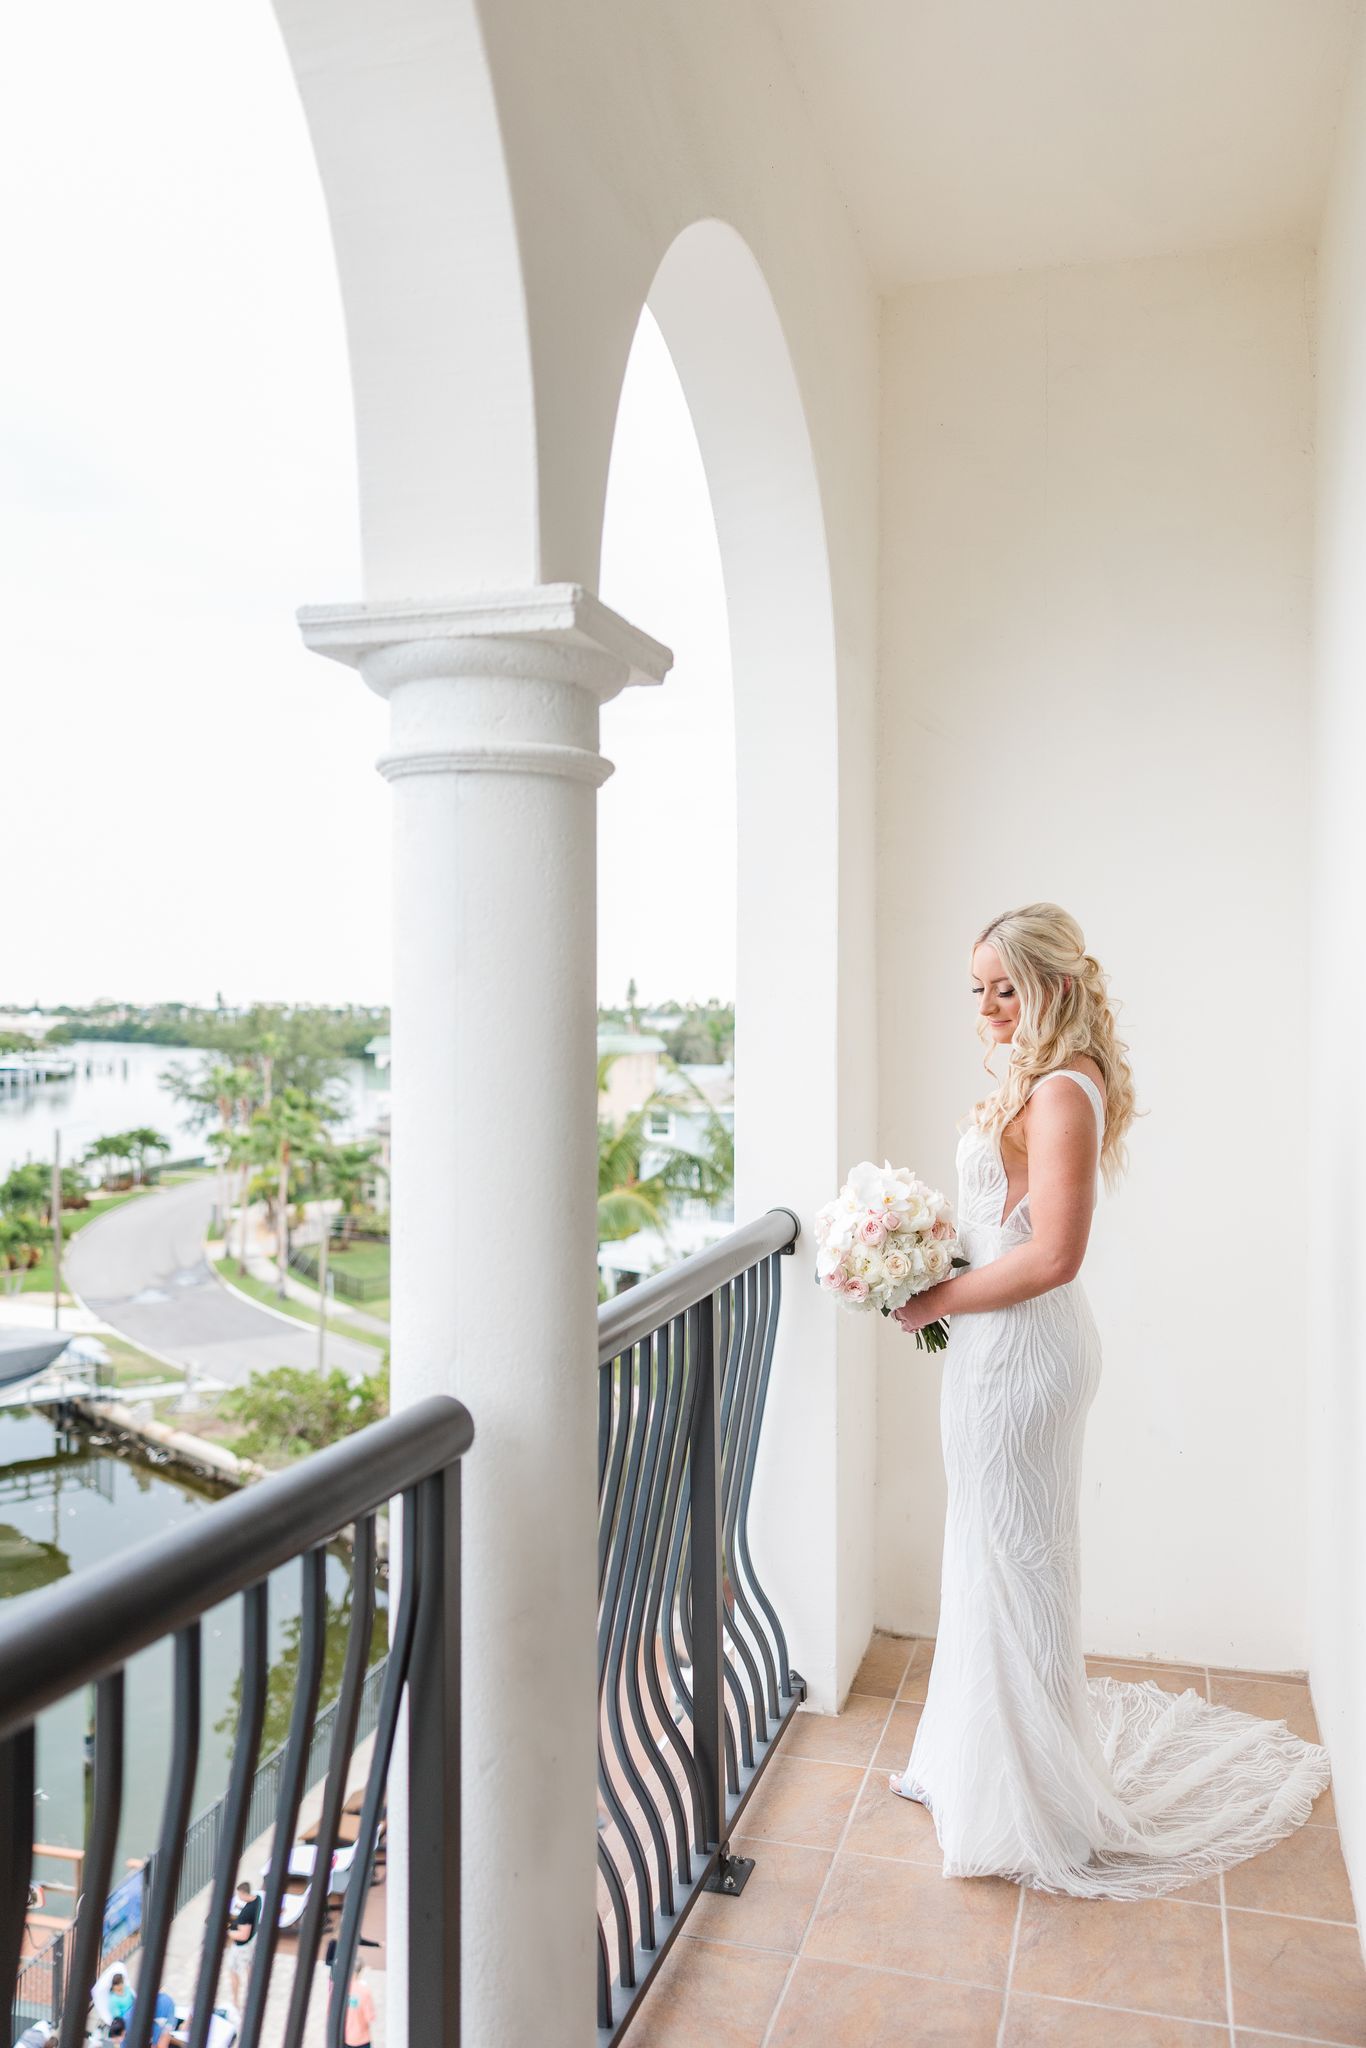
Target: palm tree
{"type": "Point", "coordinates": [290, 1123]}
{"type": "Point", "coordinates": [352, 1168]}
{"type": "Point", "coordinates": [631, 1199]}
{"type": "Point", "coordinates": [322, 1172]}
{"type": "Point", "coordinates": [104, 1152]}
{"type": "Point", "coordinates": [142, 1141]}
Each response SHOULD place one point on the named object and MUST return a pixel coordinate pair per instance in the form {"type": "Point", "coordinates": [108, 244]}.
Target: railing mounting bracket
{"type": "Point", "coordinates": [730, 1876]}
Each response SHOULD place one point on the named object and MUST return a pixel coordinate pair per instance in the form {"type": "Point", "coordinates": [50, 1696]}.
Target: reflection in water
{"type": "Point", "coordinates": [68, 1502]}
{"type": "Point", "coordinates": [26, 1564]}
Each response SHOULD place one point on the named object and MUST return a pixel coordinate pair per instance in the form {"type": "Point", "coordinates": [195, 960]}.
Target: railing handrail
{"type": "Point", "coordinates": [627, 1318]}
{"type": "Point", "coordinates": [92, 1623]}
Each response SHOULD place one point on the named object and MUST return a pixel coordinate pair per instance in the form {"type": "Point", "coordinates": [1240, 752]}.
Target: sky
{"type": "Point", "coordinates": [188, 798]}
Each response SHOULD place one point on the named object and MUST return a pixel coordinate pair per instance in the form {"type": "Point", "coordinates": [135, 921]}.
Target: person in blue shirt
{"type": "Point", "coordinates": [163, 2018]}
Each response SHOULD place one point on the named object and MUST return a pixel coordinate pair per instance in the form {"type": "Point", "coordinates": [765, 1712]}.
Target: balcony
{"type": "Point", "coordinates": [848, 1936]}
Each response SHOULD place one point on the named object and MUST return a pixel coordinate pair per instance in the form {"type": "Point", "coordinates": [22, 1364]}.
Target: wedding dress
{"type": "Point", "coordinates": [1030, 1769]}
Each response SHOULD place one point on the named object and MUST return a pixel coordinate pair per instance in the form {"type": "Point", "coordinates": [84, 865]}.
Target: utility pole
{"type": "Point", "coordinates": [56, 1230]}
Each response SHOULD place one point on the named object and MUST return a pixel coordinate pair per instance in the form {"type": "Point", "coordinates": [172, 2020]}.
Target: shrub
{"type": "Point", "coordinates": [288, 1412]}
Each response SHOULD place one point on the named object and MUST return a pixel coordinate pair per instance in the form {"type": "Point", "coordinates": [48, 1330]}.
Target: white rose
{"type": "Point", "coordinates": [936, 1263]}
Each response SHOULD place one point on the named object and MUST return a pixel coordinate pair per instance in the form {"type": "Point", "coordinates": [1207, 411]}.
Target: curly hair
{"type": "Point", "coordinates": [1039, 945]}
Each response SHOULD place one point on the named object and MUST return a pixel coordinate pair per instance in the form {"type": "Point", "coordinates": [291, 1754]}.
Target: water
{"type": "Point", "coordinates": [123, 1090]}
{"type": "Point", "coordinates": [64, 1504]}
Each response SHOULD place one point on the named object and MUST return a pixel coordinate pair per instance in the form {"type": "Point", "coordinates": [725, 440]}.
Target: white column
{"type": "Point", "coordinates": [494, 763]}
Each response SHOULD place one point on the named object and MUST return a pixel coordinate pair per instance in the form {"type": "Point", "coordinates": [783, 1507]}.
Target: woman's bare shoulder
{"type": "Point", "coordinates": [1092, 1068]}
{"type": "Point", "coordinates": [1082, 1063]}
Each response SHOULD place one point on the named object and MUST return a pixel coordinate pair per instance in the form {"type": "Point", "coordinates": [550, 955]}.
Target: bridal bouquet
{"type": "Point", "coordinates": [885, 1237]}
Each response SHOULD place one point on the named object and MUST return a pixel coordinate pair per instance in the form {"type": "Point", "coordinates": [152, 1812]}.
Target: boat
{"type": "Point", "coordinates": [26, 1352]}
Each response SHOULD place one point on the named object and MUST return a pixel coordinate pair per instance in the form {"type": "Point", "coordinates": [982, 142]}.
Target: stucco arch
{"type": "Point", "coordinates": [722, 327]}
{"type": "Point", "coordinates": [400, 107]}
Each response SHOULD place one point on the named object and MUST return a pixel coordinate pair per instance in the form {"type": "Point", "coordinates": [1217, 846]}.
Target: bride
{"type": "Point", "coordinates": [1030, 1769]}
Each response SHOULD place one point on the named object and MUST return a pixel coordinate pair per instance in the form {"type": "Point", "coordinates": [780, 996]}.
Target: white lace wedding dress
{"type": "Point", "coordinates": [1030, 1769]}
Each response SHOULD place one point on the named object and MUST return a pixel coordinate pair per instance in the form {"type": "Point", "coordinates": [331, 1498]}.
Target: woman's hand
{"type": "Point", "coordinates": [921, 1309]}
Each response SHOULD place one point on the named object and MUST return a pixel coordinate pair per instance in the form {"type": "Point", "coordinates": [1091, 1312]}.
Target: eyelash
{"type": "Point", "coordinates": [1000, 992]}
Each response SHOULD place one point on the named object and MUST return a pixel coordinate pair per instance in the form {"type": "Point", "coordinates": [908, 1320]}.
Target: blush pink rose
{"type": "Point", "coordinates": [942, 1229]}
{"type": "Point", "coordinates": [872, 1229]}
{"type": "Point", "coordinates": [891, 1221]}
{"type": "Point", "coordinates": [857, 1290]}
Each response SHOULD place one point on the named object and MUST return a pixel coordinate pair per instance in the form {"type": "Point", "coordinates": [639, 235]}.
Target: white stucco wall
{"type": "Point", "coordinates": [1337, 1104]}
{"type": "Point", "coordinates": [1095, 595]}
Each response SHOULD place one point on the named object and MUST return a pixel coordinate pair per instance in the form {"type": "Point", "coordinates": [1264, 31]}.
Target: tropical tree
{"type": "Point", "coordinates": [28, 1187]}
{"type": "Point", "coordinates": [142, 1141]}
{"type": "Point", "coordinates": [23, 1238]}
{"type": "Point", "coordinates": [628, 1198]}
{"type": "Point", "coordinates": [105, 1152]}
{"type": "Point", "coordinates": [352, 1168]}
{"type": "Point", "coordinates": [291, 1124]}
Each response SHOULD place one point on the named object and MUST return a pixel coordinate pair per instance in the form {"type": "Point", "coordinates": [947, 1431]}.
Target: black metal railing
{"type": "Point", "coordinates": [85, 1630]}
{"type": "Point", "coordinates": [204, 1836]}
{"type": "Point", "coordinates": [694, 1688]}
{"type": "Point", "coordinates": [40, 1987]}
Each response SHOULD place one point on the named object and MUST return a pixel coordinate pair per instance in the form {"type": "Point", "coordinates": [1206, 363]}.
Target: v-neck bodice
{"type": "Point", "coordinates": [983, 1182]}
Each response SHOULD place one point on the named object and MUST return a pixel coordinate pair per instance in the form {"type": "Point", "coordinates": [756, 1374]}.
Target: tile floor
{"type": "Point", "coordinates": [848, 1932]}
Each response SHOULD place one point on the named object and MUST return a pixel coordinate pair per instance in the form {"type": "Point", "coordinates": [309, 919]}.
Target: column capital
{"type": "Point", "coordinates": [492, 682]}
{"type": "Point", "coordinates": [556, 632]}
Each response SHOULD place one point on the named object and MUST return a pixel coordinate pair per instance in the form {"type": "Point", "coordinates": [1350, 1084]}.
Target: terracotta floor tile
{"type": "Point", "coordinates": [1033, 2022]}
{"type": "Point", "coordinates": [1243, 2039]}
{"type": "Point", "coordinates": [1297, 1977]}
{"type": "Point", "coordinates": [1241, 1671]}
{"type": "Point", "coordinates": [895, 1745]}
{"type": "Point", "coordinates": [1303, 1874]}
{"type": "Point", "coordinates": [918, 1675]}
{"type": "Point", "coordinates": [775, 1905]}
{"type": "Point", "coordinates": [848, 1737]}
{"type": "Point", "coordinates": [1171, 1677]}
{"type": "Point", "coordinates": [705, 1993]}
{"type": "Point", "coordinates": [1274, 1699]}
{"type": "Point", "coordinates": [831, 2005]}
{"type": "Point", "coordinates": [802, 1802]}
{"type": "Point", "coordinates": [1152, 1955]}
{"type": "Point", "coordinates": [884, 1664]}
{"type": "Point", "coordinates": [886, 1825]}
{"type": "Point", "coordinates": [907, 1916]}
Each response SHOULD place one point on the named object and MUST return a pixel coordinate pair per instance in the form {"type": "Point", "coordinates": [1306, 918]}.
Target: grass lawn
{"type": "Point", "coordinates": [264, 1292]}
{"type": "Point", "coordinates": [38, 1279]}
{"type": "Point", "coordinates": [129, 1367]}
{"type": "Point", "coordinates": [365, 1262]}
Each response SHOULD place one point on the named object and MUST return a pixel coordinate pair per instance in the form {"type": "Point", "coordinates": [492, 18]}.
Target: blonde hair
{"type": "Point", "coordinates": [1039, 945]}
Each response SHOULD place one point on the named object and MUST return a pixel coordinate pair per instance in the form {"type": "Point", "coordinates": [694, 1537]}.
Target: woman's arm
{"type": "Point", "coordinates": [1062, 1146]}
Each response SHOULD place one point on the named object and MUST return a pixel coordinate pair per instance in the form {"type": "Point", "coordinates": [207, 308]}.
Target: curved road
{"type": "Point", "coordinates": [142, 1269]}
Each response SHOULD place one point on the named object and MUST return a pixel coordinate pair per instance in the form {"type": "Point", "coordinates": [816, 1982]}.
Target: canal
{"type": "Point", "coordinates": [70, 1498]}
{"type": "Point", "coordinates": [118, 1088]}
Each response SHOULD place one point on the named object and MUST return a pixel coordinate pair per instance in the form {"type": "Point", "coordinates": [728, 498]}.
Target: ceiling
{"type": "Point", "coordinates": [975, 136]}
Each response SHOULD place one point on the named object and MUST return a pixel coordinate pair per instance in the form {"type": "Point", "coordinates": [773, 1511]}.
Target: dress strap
{"type": "Point", "coordinates": [1075, 1074]}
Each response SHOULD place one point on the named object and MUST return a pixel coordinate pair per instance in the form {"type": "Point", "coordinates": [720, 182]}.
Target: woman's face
{"type": "Point", "coordinates": [994, 993]}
